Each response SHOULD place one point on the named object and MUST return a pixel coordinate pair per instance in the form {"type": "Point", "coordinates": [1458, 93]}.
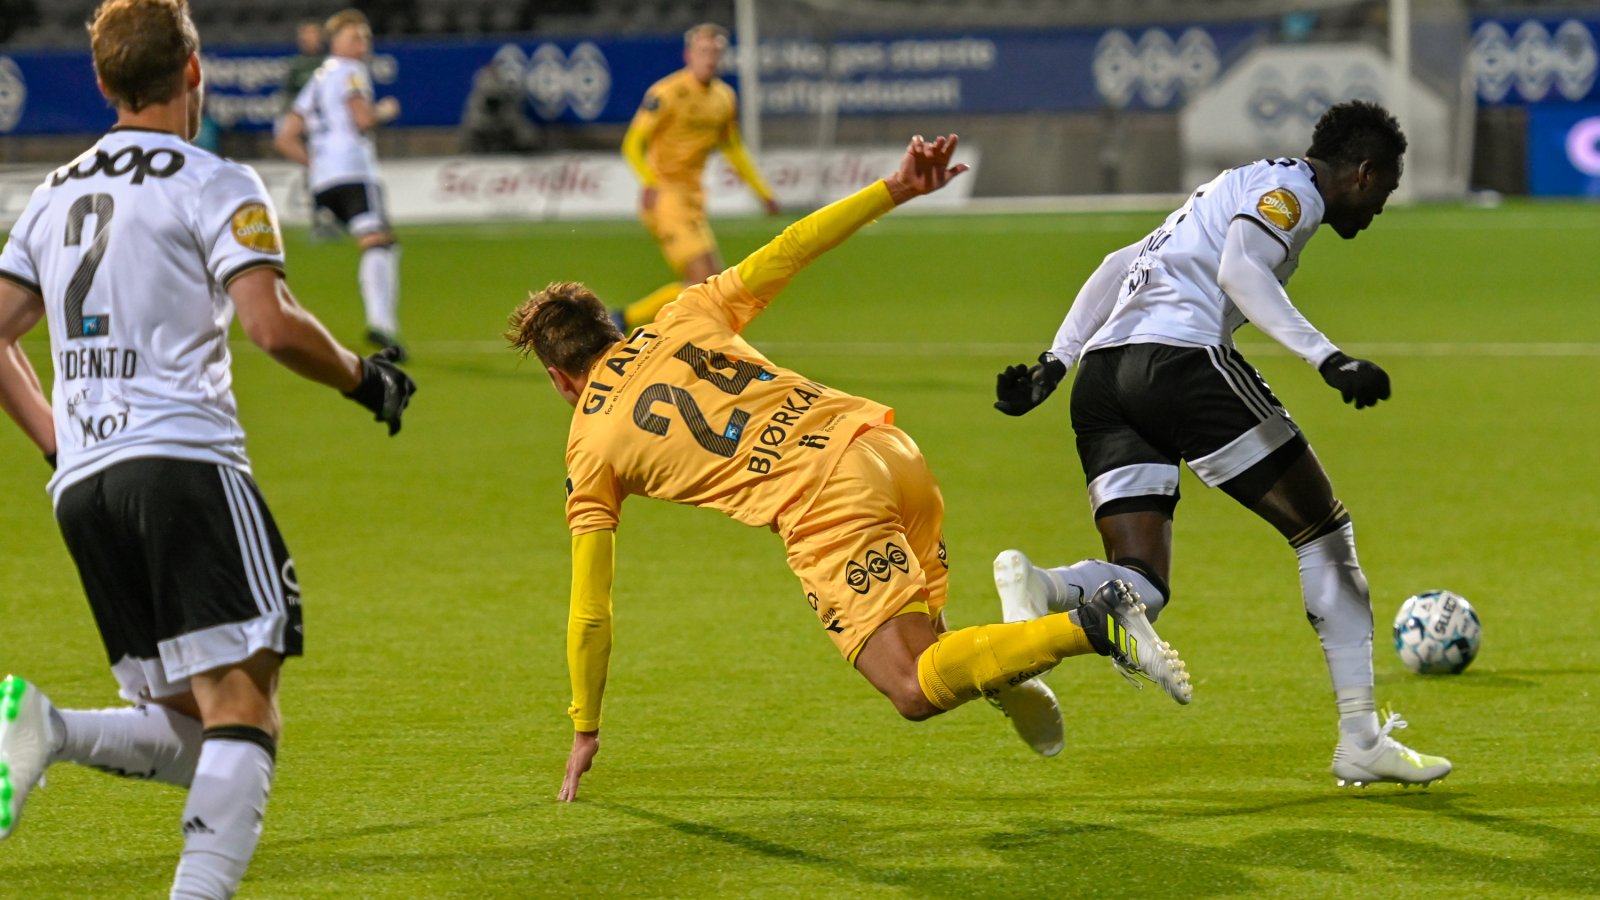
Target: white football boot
{"type": "Point", "coordinates": [1386, 761]}
{"type": "Point", "coordinates": [1023, 596]}
{"type": "Point", "coordinates": [27, 741]}
{"type": "Point", "coordinates": [1032, 708]}
{"type": "Point", "coordinates": [1115, 620]}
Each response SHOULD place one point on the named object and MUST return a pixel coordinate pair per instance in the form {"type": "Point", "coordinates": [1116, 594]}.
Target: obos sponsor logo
{"type": "Point", "coordinates": [1280, 207]}
{"type": "Point", "coordinates": [253, 227]}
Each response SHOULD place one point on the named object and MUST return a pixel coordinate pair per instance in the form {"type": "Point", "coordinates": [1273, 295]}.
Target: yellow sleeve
{"type": "Point", "coordinates": [766, 271]}
{"type": "Point", "coordinates": [734, 150]}
{"type": "Point", "coordinates": [589, 625]}
{"type": "Point", "coordinates": [636, 142]}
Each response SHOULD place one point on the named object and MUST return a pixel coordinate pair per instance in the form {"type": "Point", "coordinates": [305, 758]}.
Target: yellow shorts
{"type": "Point", "coordinates": [871, 545]}
{"type": "Point", "coordinates": [678, 223]}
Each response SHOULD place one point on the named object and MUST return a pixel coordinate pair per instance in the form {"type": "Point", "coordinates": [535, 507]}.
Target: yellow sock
{"type": "Point", "coordinates": [964, 665]}
{"type": "Point", "coordinates": [643, 312]}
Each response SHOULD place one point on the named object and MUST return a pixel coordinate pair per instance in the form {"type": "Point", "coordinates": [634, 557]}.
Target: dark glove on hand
{"type": "Point", "coordinates": [1020, 388]}
{"type": "Point", "coordinates": [51, 459]}
{"type": "Point", "coordinates": [384, 388]}
{"type": "Point", "coordinates": [1360, 381]}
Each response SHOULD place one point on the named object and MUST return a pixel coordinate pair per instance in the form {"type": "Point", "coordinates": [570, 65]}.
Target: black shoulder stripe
{"type": "Point", "coordinates": [18, 280]}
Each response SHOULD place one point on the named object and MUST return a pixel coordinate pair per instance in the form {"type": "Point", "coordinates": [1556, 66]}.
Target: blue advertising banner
{"type": "Point", "coordinates": [1531, 61]}
{"type": "Point", "coordinates": [1564, 150]}
{"type": "Point", "coordinates": [602, 80]}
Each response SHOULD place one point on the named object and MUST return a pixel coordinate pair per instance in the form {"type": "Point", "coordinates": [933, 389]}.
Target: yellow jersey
{"type": "Point", "coordinates": [684, 121]}
{"type": "Point", "coordinates": [686, 410]}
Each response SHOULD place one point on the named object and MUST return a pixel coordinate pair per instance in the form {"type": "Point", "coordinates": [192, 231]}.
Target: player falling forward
{"type": "Point", "coordinates": [1159, 381]}
{"type": "Point", "coordinates": [684, 117]}
{"type": "Point", "coordinates": [685, 410]}
{"type": "Point", "coordinates": [329, 130]}
{"type": "Point", "coordinates": [138, 253]}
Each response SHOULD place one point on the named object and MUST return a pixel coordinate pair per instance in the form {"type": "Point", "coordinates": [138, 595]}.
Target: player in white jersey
{"type": "Point", "coordinates": [329, 130]}
{"type": "Point", "coordinates": [1160, 382]}
{"type": "Point", "coordinates": [138, 253]}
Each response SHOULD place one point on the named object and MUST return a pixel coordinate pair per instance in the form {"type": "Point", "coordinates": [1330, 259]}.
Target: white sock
{"type": "Point", "coordinates": [1337, 603]}
{"type": "Point", "coordinates": [222, 820]}
{"type": "Point", "coordinates": [380, 287]}
{"type": "Point", "coordinates": [1067, 587]}
{"type": "Point", "coordinates": [150, 742]}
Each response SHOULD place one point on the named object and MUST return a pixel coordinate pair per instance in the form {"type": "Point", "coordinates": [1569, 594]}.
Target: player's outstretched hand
{"type": "Point", "coordinates": [585, 744]}
{"type": "Point", "coordinates": [1020, 388]}
{"type": "Point", "coordinates": [1360, 381]}
{"type": "Point", "coordinates": [770, 204]}
{"type": "Point", "coordinates": [925, 168]}
{"type": "Point", "coordinates": [384, 390]}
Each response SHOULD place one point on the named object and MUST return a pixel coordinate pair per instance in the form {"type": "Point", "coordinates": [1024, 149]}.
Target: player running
{"type": "Point", "coordinates": [1159, 381]}
{"type": "Point", "coordinates": [138, 253]}
{"type": "Point", "coordinates": [684, 117]}
{"type": "Point", "coordinates": [685, 410]}
{"type": "Point", "coordinates": [329, 130]}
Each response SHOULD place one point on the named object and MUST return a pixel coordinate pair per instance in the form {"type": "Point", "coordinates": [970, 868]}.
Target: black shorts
{"type": "Point", "coordinates": [357, 206]}
{"type": "Point", "coordinates": [1139, 409]}
{"type": "Point", "coordinates": [184, 569]}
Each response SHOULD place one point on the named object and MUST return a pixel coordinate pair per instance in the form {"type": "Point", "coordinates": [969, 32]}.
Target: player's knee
{"type": "Point", "coordinates": [1319, 524]}
{"type": "Point", "coordinates": [910, 702]}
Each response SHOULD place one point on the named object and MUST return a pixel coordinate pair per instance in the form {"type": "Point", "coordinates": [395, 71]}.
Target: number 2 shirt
{"type": "Point", "coordinates": [132, 246]}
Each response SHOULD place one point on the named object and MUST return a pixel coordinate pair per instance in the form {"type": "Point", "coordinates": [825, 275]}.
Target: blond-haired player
{"type": "Point", "coordinates": [683, 117]}
{"type": "Point", "coordinates": [138, 253]}
{"type": "Point", "coordinates": [686, 410]}
{"type": "Point", "coordinates": [329, 131]}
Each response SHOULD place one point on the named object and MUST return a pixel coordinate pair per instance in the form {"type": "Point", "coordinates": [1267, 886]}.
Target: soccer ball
{"type": "Point", "coordinates": [1437, 633]}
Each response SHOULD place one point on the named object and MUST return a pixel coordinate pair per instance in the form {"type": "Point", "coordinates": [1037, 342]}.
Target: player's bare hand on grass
{"type": "Point", "coordinates": [585, 744]}
{"type": "Point", "coordinates": [925, 168]}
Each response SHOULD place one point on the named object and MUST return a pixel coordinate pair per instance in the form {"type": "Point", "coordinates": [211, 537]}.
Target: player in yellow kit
{"type": "Point", "coordinates": [686, 410]}
{"type": "Point", "coordinates": [683, 118]}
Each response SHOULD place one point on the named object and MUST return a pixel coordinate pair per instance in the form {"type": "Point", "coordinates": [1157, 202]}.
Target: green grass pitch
{"type": "Point", "coordinates": [426, 728]}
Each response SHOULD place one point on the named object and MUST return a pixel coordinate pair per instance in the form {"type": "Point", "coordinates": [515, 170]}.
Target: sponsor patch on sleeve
{"type": "Point", "coordinates": [1281, 208]}
{"type": "Point", "coordinates": [253, 228]}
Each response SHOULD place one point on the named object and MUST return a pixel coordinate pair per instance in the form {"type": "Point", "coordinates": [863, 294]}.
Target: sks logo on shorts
{"type": "Point", "coordinates": [253, 227]}
{"type": "Point", "coordinates": [1281, 208]}
{"type": "Point", "coordinates": [875, 566]}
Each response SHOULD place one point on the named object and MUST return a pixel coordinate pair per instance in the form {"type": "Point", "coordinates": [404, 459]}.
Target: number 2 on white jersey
{"type": "Point", "coordinates": [102, 207]}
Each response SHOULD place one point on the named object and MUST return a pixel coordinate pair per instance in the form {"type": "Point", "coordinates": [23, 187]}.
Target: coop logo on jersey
{"type": "Point", "coordinates": [253, 227]}
{"type": "Point", "coordinates": [13, 94]}
{"type": "Point", "coordinates": [1281, 208]}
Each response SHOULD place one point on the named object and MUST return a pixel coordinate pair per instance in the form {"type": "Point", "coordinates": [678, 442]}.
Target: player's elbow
{"type": "Point", "coordinates": [270, 333]}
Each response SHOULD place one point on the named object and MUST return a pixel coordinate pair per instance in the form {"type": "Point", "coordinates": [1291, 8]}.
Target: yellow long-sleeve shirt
{"type": "Point", "coordinates": [687, 411]}
{"type": "Point", "coordinates": [678, 125]}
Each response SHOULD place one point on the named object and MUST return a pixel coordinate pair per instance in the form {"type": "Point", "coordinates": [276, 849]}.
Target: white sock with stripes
{"type": "Point", "coordinates": [1067, 587]}
{"type": "Point", "coordinates": [222, 818]}
{"type": "Point", "coordinates": [150, 742]}
{"type": "Point", "coordinates": [380, 287]}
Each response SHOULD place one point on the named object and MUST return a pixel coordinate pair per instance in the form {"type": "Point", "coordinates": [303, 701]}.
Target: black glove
{"type": "Point", "coordinates": [1020, 388]}
{"type": "Point", "coordinates": [51, 459]}
{"type": "Point", "coordinates": [1361, 381]}
{"type": "Point", "coordinates": [384, 389]}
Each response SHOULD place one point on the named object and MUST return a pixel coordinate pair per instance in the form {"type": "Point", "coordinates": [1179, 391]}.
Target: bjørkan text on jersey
{"type": "Point", "coordinates": [133, 161]}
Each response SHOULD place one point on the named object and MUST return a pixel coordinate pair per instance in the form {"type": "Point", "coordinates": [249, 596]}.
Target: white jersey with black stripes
{"type": "Point", "coordinates": [1170, 294]}
{"type": "Point", "coordinates": [132, 246]}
